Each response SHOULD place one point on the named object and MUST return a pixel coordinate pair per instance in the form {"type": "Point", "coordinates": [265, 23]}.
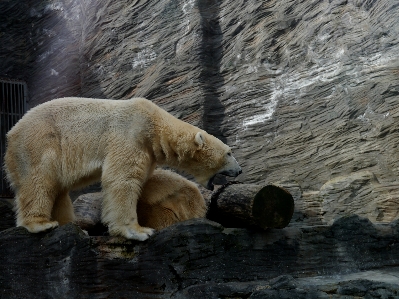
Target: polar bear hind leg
{"type": "Point", "coordinates": [34, 205]}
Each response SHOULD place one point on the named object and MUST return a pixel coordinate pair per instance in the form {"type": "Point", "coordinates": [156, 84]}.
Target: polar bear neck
{"type": "Point", "coordinates": [169, 135]}
{"type": "Point", "coordinates": [173, 141]}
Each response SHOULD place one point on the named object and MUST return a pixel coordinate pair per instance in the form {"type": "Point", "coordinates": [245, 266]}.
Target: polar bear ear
{"type": "Point", "coordinates": [199, 139]}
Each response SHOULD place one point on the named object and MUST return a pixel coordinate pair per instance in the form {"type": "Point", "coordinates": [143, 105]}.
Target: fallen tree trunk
{"type": "Point", "coordinates": [233, 205]}
{"type": "Point", "coordinates": [249, 205]}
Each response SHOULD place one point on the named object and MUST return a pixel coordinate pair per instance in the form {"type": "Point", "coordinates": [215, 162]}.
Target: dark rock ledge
{"type": "Point", "coordinates": [201, 259]}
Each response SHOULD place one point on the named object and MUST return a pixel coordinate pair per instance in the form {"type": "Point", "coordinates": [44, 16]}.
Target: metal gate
{"type": "Point", "coordinates": [13, 95]}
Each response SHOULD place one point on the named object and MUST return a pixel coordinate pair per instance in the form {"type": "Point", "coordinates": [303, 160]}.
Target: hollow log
{"type": "Point", "coordinates": [250, 205]}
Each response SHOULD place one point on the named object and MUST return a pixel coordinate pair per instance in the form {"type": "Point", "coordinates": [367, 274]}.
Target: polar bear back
{"type": "Point", "coordinates": [76, 132]}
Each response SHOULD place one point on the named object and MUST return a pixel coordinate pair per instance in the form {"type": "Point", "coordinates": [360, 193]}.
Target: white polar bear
{"type": "Point", "coordinates": [72, 142]}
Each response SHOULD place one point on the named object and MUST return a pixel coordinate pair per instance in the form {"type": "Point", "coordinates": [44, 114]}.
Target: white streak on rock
{"type": "Point", "coordinates": [143, 58]}
{"type": "Point", "coordinates": [295, 84]}
{"type": "Point", "coordinates": [44, 55]}
{"type": "Point", "coordinates": [268, 110]}
{"type": "Point", "coordinates": [187, 6]}
{"type": "Point", "coordinates": [57, 6]}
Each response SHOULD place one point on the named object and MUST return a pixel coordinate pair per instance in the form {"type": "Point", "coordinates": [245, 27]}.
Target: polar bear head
{"type": "Point", "coordinates": [208, 157]}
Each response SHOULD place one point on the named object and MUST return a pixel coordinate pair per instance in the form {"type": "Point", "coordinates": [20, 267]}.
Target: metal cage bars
{"type": "Point", "coordinates": [13, 96]}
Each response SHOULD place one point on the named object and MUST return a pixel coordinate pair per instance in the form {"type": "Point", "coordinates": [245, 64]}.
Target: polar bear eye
{"type": "Point", "coordinates": [228, 154]}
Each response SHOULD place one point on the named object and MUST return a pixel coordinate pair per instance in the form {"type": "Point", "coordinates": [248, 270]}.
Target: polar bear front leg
{"type": "Point", "coordinates": [122, 184]}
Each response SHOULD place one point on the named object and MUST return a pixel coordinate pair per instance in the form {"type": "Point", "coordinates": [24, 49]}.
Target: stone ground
{"type": "Point", "coordinates": [199, 258]}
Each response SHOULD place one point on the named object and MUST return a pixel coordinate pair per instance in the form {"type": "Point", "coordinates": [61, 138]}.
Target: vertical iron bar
{"type": "Point", "coordinates": [21, 103]}
{"type": "Point", "coordinates": [6, 110]}
{"type": "Point", "coordinates": [11, 110]}
{"type": "Point", "coordinates": [12, 104]}
{"type": "Point", "coordinates": [6, 107]}
{"type": "Point", "coordinates": [13, 97]}
{"type": "Point", "coordinates": [4, 123]}
{"type": "Point", "coordinates": [25, 108]}
{"type": "Point", "coordinates": [16, 102]}
{"type": "Point", "coordinates": [2, 97]}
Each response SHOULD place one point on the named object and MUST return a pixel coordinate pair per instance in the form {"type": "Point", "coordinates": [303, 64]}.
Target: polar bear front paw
{"type": "Point", "coordinates": [134, 232]}
{"type": "Point", "coordinates": [142, 235]}
{"type": "Point", "coordinates": [37, 227]}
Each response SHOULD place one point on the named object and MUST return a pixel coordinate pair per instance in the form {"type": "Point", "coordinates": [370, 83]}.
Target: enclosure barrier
{"type": "Point", "coordinates": [13, 95]}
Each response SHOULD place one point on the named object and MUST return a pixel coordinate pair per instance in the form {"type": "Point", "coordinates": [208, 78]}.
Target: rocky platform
{"type": "Point", "coordinates": [201, 259]}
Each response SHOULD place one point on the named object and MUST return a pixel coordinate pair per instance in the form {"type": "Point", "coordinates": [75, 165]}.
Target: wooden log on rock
{"type": "Point", "coordinates": [250, 205]}
{"type": "Point", "coordinates": [87, 209]}
{"type": "Point", "coordinates": [233, 205]}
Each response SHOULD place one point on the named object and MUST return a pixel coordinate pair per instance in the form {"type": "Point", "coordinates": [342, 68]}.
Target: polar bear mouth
{"type": "Point", "coordinates": [210, 185]}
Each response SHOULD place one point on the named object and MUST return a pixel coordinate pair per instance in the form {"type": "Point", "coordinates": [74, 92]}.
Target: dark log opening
{"type": "Point", "coordinates": [251, 206]}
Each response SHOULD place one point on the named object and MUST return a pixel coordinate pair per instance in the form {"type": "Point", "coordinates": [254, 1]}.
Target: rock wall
{"type": "Point", "coordinates": [305, 92]}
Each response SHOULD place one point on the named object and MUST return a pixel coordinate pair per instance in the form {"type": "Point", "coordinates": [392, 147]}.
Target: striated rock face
{"type": "Point", "coordinates": [306, 92]}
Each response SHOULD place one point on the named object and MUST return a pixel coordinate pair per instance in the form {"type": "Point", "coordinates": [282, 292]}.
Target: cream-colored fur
{"type": "Point", "coordinates": [168, 198]}
{"type": "Point", "coordinates": [72, 142]}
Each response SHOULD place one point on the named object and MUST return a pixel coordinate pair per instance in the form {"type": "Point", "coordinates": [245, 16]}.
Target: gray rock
{"type": "Point", "coordinates": [201, 259]}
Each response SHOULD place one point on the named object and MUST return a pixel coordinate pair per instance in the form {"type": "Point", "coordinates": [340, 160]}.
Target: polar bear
{"type": "Point", "coordinates": [72, 142]}
{"type": "Point", "coordinates": [168, 198]}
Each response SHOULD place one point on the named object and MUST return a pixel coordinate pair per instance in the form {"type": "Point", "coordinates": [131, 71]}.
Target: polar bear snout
{"type": "Point", "coordinates": [233, 173]}
{"type": "Point", "coordinates": [231, 168]}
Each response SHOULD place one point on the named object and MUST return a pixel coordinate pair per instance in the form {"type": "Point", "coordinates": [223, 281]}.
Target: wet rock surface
{"type": "Point", "coordinates": [286, 286]}
{"type": "Point", "coordinates": [202, 259]}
